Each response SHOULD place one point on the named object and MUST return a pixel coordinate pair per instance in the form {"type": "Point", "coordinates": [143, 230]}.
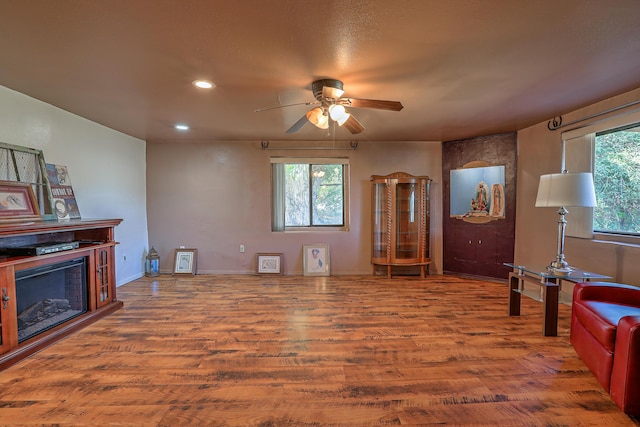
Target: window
{"type": "Point", "coordinates": [309, 193]}
{"type": "Point", "coordinates": [617, 180]}
{"type": "Point", "coordinates": [609, 149]}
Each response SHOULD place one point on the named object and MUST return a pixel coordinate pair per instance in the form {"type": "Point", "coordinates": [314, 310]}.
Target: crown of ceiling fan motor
{"type": "Point", "coordinates": [327, 88]}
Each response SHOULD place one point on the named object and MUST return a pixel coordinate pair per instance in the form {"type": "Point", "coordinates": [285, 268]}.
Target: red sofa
{"type": "Point", "coordinates": [605, 332]}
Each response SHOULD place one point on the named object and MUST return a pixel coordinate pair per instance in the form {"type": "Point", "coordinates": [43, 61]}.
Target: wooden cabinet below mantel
{"type": "Point", "coordinates": [79, 281]}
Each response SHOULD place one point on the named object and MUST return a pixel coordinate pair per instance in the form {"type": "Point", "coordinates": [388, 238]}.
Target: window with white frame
{"type": "Point", "coordinates": [617, 180]}
{"type": "Point", "coordinates": [610, 149]}
{"type": "Point", "coordinates": [309, 193]}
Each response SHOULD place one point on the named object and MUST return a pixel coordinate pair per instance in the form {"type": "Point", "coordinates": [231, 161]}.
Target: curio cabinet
{"type": "Point", "coordinates": [400, 223]}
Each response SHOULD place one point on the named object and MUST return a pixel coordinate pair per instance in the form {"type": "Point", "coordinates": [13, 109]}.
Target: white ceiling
{"type": "Point", "coordinates": [462, 68]}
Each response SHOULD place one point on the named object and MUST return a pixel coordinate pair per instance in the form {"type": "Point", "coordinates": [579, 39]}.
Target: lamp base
{"type": "Point", "coordinates": [559, 269]}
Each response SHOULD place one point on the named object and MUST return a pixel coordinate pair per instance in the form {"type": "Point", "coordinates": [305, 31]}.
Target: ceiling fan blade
{"type": "Point", "coordinates": [353, 125]}
{"type": "Point", "coordinates": [374, 103]}
{"type": "Point", "coordinates": [297, 125]}
{"type": "Point", "coordinates": [288, 105]}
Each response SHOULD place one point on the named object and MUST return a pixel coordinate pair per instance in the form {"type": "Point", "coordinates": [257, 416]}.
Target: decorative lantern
{"type": "Point", "coordinates": [152, 264]}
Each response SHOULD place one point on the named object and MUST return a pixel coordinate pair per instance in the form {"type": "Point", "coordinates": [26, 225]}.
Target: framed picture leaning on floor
{"type": "Point", "coordinates": [269, 263]}
{"type": "Point", "coordinates": [316, 260]}
{"type": "Point", "coordinates": [185, 261]}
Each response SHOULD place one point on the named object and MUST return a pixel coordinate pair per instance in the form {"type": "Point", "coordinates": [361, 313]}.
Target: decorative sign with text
{"type": "Point", "coordinates": [64, 201]}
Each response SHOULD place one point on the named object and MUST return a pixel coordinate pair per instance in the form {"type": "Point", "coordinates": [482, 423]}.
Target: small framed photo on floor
{"type": "Point", "coordinates": [269, 263]}
{"type": "Point", "coordinates": [185, 261]}
{"type": "Point", "coordinates": [316, 260]}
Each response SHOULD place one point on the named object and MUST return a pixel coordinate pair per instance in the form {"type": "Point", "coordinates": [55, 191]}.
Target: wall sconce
{"type": "Point", "coordinates": [152, 263]}
{"type": "Point", "coordinates": [560, 190]}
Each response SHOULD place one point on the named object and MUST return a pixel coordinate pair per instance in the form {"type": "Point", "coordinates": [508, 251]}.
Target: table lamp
{"type": "Point", "coordinates": [560, 190]}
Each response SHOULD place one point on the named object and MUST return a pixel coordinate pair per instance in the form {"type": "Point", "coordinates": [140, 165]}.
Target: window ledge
{"type": "Point", "coordinates": [616, 239]}
{"type": "Point", "coordinates": [313, 229]}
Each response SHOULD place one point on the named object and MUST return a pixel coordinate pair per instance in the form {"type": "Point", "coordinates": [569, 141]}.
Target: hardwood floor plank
{"type": "Point", "coordinates": [310, 351]}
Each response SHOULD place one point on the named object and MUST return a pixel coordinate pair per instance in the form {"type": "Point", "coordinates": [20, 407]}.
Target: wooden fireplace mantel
{"type": "Point", "coordinates": [96, 243]}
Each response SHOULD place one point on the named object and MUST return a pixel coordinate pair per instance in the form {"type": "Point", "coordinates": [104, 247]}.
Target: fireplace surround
{"type": "Point", "coordinates": [49, 296]}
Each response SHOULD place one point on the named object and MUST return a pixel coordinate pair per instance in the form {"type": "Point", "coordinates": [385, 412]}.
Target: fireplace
{"type": "Point", "coordinates": [50, 295]}
{"type": "Point", "coordinates": [54, 293]}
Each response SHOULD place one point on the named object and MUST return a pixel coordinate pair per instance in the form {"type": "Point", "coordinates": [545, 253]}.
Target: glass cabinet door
{"type": "Point", "coordinates": [380, 220]}
{"type": "Point", "coordinates": [407, 224]}
{"type": "Point", "coordinates": [104, 281]}
{"type": "Point", "coordinates": [400, 222]}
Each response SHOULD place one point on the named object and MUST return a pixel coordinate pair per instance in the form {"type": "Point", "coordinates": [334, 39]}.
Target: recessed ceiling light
{"type": "Point", "coordinates": [203, 84]}
{"type": "Point", "coordinates": [182, 127]}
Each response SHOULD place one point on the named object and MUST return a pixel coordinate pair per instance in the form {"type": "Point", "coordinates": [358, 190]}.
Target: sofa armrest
{"type": "Point", "coordinates": [625, 376]}
{"type": "Point", "coordinates": [616, 293]}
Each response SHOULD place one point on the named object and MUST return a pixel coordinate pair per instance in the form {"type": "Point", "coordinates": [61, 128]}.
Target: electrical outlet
{"type": "Point", "coordinates": [241, 248]}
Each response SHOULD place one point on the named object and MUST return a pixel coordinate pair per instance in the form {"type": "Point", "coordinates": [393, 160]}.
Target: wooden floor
{"type": "Point", "coordinates": [310, 351]}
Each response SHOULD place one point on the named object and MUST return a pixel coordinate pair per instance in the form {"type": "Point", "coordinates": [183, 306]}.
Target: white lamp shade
{"type": "Point", "coordinates": [337, 113]}
{"type": "Point", "coordinates": [566, 189]}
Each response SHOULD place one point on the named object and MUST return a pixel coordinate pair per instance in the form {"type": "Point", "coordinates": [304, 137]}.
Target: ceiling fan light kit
{"type": "Point", "coordinates": [328, 94]}
{"type": "Point", "coordinates": [317, 117]}
{"type": "Point", "coordinates": [338, 113]}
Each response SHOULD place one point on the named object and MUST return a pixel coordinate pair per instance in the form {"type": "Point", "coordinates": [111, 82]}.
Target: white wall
{"type": "Point", "coordinates": [107, 168]}
{"type": "Point", "coordinates": [216, 195]}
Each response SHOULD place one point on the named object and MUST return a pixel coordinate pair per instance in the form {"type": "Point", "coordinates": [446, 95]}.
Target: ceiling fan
{"type": "Point", "coordinates": [331, 105]}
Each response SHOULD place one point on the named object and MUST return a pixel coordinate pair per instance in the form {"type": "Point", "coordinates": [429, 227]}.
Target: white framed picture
{"type": "Point", "coordinates": [316, 260]}
{"type": "Point", "coordinates": [269, 263]}
{"type": "Point", "coordinates": [185, 261]}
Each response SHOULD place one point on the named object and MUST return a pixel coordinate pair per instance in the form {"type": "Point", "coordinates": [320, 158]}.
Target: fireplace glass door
{"type": "Point", "coordinates": [50, 295]}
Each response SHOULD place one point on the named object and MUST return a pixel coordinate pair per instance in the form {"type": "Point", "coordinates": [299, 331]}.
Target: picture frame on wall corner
{"type": "Point", "coordinates": [18, 202]}
{"type": "Point", "coordinates": [185, 261]}
{"type": "Point", "coordinates": [316, 260]}
{"type": "Point", "coordinates": [269, 263]}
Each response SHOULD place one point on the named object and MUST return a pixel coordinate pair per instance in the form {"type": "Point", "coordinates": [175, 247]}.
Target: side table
{"type": "Point", "coordinates": [549, 294]}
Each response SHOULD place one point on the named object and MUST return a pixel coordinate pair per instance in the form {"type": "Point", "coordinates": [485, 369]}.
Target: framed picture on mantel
{"type": "Point", "coordinates": [17, 202]}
